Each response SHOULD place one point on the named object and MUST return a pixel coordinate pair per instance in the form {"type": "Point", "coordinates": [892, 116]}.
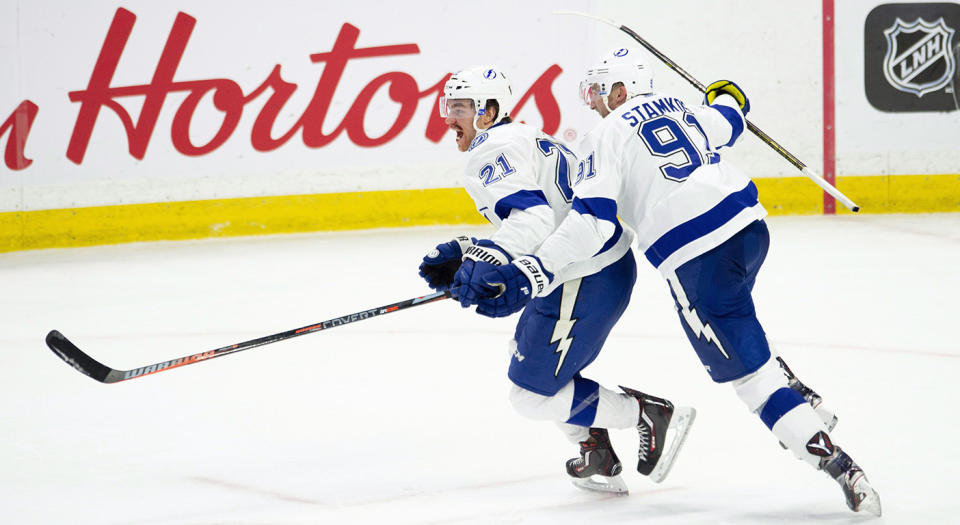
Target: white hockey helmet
{"type": "Point", "coordinates": [621, 64]}
{"type": "Point", "coordinates": [479, 84]}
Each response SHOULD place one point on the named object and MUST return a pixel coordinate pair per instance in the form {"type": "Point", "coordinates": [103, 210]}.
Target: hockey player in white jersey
{"type": "Point", "coordinates": [656, 163]}
{"type": "Point", "coordinates": [519, 179]}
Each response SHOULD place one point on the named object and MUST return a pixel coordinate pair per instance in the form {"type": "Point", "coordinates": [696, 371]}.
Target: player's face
{"type": "Point", "coordinates": [593, 98]}
{"type": "Point", "coordinates": [459, 115]}
{"type": "Point", "coordinates": [602, 104]}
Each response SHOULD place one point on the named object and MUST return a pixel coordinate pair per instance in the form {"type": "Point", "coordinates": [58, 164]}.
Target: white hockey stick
{"type": "Point", "coordinates": [814, 176]}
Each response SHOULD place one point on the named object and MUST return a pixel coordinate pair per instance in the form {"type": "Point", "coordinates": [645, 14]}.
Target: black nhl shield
{"type": "Point", "coordinates": [918, 58]}
{"type": "Point", "coordinates": [910, 56]}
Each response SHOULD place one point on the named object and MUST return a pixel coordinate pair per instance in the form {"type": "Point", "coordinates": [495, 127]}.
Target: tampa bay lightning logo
{"type": "Point", "coordinates": [622, 52]}
{"type": "Point", "coordinates": [490, 74]}
{"type": "Point", "coordinates": [478, 141]}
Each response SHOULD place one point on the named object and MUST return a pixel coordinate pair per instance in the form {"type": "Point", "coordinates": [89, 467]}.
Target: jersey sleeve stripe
{"type": "Point", "coordinates": [702, 225]}
{"type": "Point", "coordinates": [520, 200]}
{"type": "Point", "coordinates": [603, 209]}
{"type": "Point", "coordinates": [734, 118]}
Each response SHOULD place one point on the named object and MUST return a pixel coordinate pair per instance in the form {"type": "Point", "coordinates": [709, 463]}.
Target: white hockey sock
{"type": "Point", "coordinates": [574, 433]}
{"type": "Point", "coordinates": [799, 429]}
{"type": "Point", "coordinates": [600, 407]}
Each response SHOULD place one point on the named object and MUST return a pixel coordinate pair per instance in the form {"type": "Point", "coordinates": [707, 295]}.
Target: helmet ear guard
{"type": "Point", "coordinates": [480, 84]}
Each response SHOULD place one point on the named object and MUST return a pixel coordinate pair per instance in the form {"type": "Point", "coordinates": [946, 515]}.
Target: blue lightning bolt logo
{"type": "Point", "coordinates": [700, 328]}
{"type": "Point", "coordinates": [697, 326]}
{"type": "Point", "coordinates": [561, 331]}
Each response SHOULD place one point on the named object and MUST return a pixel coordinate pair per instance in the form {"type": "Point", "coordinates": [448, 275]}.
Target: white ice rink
{"type": "Point", "coordinates": [404, 419]}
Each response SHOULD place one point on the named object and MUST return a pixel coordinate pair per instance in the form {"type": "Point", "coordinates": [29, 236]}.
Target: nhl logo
{"type": "Point", "coordinates": [919, 58]}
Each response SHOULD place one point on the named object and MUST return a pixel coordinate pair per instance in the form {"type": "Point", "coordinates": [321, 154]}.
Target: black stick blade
{"type": "Point", "coordinates": [75, 357]}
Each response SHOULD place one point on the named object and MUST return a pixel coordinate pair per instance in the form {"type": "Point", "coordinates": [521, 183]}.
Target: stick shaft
{"type": "Point", "coordinates": [816, 178]}
{"type": "Point", "coordinates": [72, 355]}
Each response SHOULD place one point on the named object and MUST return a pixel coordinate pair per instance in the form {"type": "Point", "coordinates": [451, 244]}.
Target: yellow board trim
{"type": "Point", "coordinates": [388, 209]}
{"type": "Point", "coordinates": [234, 217]}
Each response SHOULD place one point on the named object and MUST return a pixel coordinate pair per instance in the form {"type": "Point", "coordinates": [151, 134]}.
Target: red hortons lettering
{"type": "Point", "coordinates": [19, 123]}
{"type": "Point", "coordinates": [228, 97]}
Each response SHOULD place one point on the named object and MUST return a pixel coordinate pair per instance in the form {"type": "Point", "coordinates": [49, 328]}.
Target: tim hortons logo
{"type": "Point", "coordinates": [918, 58]}
{"type": "Point", "coordinates": [230, 99]}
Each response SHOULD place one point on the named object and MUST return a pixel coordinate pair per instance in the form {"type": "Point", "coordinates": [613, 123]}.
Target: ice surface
{"type": "Point", "coordinates": [404, 419]}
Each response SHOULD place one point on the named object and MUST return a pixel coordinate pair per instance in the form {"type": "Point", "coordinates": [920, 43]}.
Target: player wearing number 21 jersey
{"type": "Point", "coordinates": [519, 179]}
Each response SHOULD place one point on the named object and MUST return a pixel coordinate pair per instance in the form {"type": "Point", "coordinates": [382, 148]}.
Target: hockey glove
{"type": "Point", "coordinates": [725, 86]}
{"type": "Point", "coordinates": [518, 283]}
{"type": "Point", "coordinates": [440, 265]}
{"type": "Point", "coordinates": [480, 258]}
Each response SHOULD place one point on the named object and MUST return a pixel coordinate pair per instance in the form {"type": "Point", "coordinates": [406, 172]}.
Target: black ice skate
{"type": "Point", "coordinates": [597, 458]}
{"type": "Point", "coordinates": [826, 415]}
{"type": "Point", "coordinates": [857, 490]}
{"type": "Point", "coordinates": [657, 453]}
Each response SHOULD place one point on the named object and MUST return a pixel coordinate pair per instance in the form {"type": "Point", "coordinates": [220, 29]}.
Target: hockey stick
{"type": "Point", "coordinates": [815, 177]}
{"type": "Point", "coordinates": [76, 358]}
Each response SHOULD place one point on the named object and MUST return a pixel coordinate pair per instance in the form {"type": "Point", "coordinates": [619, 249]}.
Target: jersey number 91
{"type": "Point", "coordinates": [665, 137]}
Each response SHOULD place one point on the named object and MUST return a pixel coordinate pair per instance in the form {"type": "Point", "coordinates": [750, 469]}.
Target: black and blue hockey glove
{"type": "Point", "coordinates": [727, 87]}
{"type": "Point", "coordinates": [440, 265]}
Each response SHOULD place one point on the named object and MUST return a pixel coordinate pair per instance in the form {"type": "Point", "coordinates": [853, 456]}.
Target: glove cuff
{"type": "Point", "coordinates": [486, 252]}
{"type": "Point", "coordinates": [464, 242]}
{"type": "Point", "coordinates": [532, 268]}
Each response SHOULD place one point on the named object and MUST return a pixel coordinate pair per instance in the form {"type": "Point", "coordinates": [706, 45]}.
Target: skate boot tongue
{"type": "Point", "coordinates": [662, 430]}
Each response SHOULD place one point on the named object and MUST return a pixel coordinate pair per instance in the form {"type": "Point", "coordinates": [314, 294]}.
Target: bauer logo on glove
{"type": "Point", "coordinates": [534, 272]}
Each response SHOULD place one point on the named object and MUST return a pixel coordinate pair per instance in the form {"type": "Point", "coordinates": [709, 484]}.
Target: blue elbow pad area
{"type": "Point", "coordinates": [603, 209]}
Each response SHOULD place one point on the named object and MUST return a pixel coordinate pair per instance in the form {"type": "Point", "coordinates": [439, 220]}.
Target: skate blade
{"type": "Point", "coordinates": [680, 424]}
{"type": "Point", "coordinates": [871, 500]}
{"type": "Point", "coordinates": [609, 485]}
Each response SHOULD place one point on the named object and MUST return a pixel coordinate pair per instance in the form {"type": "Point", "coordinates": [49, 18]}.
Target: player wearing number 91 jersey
{"type": "Point", "coordinates": [655, 162]}
{"type": "Point", "coordinates": [519, 179]}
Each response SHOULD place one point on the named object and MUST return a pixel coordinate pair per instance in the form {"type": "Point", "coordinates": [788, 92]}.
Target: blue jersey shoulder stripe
{"type": "Point", "coordinates": [603, 209]}
{"type": "Point", "coordinates": [702, 225]}
{"type": "Point", "coordinates": [520, 200]}
{"type": "Point", "coordinates": [735, 119]}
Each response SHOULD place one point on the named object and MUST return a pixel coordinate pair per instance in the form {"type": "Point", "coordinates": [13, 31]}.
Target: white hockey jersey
{"type": "Point", "coordinates": [520, 180]}
{"type": "Point", "coordinates": [654, 162]}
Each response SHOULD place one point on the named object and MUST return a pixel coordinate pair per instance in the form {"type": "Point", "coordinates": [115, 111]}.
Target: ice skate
{"type": "Point", "coordinates": [658, 418]}
{"type": "Point", "coordinates": [598, 467]}
{"type": "Point", "coordinates": [856, 488]}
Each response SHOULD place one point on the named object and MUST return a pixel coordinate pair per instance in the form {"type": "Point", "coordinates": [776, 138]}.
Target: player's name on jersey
{"type": "Point", "coordinates": [652, 109]}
